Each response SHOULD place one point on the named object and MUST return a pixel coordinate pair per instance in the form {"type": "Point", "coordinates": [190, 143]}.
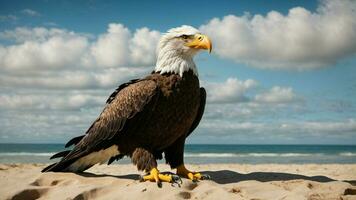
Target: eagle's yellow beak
{"type": "Point", "coordinates": [200, 41]}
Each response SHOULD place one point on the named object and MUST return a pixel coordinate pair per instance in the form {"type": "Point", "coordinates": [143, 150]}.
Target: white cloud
{"type": "Point", "coordinates": [266, 132]}
{"type": "Point", "coordinates": [235, 91]}
{"type": "Point", "coordinates": [111, 48]}
{"type": "Point", "coordinates": [30, 12]}
{"type": "Point", "coordinates": [244, 99]}
{"type": "Point", "coordinates": [36, 34]}
{"type": "Point", "coordinates": [76, 79]}
{"type": "Point", "coordinates": [43, 127]}
{"type": "Point", "coordinates": [142, 44]}
{"type": "Point", "coordinates": [232, 90]}
{"type": "Point", "coordinates": [316, 127]}
{"type": "Point", "coordinates": [120, 47]}
{"type": "Point", "coordinates": [56, 52]}
{"type": "Point", "coordinates": [277, 95]}
{"type": "Point", "coordinates": [46, 101]}
{"type": "Point", "coordinates": [299, 40]}
{"type": "Point", "coordinates": [39, 48]}
{"type": "Point", "coordinates": [60, 59]}
{"type": "Point", "coordinates": [235, 111]}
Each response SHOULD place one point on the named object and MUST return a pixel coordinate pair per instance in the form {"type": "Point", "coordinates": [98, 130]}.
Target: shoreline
{"type": "Point", "coordinates": [229, 181]}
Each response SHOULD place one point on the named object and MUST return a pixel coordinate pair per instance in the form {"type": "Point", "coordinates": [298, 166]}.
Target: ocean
{"type": "Point", "coordinates": [207, 153]}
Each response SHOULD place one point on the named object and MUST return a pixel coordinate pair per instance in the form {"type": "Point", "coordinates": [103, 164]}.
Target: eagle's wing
{"type": "Point", "coordinates": [200, 111]}
{"type": "Point", "coordinates": [77, 139]}
{"type": "Point", "coordinates": [122, 106]}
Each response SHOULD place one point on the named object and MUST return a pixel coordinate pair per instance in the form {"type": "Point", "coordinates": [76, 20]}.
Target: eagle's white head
{"type": "Point", "coordinates": [177, 48]}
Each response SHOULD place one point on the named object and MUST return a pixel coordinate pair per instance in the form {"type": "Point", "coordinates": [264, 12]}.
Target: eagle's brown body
{"type": "Point", "coordinates": [142, 119]}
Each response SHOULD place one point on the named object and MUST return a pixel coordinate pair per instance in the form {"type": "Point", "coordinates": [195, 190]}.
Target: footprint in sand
{"type": "Point", "coordinates": [185, 195]}
{"type": "Point", "coordinates": [45, 181]}
{"type": "Point", "coordinates": [350, 191]}
{"type": "Point", "coordinates": [191, 186]}
{"type": "Point", "coordinates": [90, 194]}
{"type": "Point", "coordinates": [29, 194]}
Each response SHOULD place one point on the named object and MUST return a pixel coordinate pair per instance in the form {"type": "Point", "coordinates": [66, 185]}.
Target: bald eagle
{"type": "Point", "coordinates": [147, 117]}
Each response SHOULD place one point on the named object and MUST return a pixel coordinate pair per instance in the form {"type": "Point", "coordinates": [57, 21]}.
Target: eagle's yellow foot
{"type": "Point", "coordinates": [155, 176]}
{"type": "Point", "coordinates": [194, 176]}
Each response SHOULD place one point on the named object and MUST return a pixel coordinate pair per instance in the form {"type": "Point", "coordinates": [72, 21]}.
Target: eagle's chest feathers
{"type": "Point", "coordinates": [178, 103]}
{"type": "Point", "coordinates": [174, 87]}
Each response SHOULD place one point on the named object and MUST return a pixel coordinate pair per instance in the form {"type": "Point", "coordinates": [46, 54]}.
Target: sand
{"type": "Point", "coordinates": [229, 181]}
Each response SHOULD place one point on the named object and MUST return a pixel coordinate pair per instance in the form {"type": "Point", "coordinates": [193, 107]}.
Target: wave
{"type": "Point", "coordinates": [229, 155]}
{"type": "Point", "coordinates": [248, 154]}
{"type": "Point", "coordinates": [214, 155]}
{"type": "Point", "coordinates": [347, 154]}
{"type": "Point", "coordinates": [283, 154]}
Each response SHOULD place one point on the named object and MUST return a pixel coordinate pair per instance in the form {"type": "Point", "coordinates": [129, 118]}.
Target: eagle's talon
{"type": "Point", "coordinates": [141, 178]}
{"type": "Point", "coordinates": [176, 179]}
{"type": "Point", "coordinates": [156, 176]}
{"type": "Point", "coordinates": [159, 184]}
{"type": "Point", "coordinates": [194, 176]}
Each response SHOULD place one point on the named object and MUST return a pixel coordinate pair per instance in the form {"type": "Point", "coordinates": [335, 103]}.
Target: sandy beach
{"type": "Point", "coordinates": [229, 181]}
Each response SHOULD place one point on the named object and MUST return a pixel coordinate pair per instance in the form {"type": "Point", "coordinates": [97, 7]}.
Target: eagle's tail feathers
{"type": "Point", "coordinates": [47, 169]}
{"type": "Point", "coordinates": [63, 166]}
{"type": "Point", "coordinates": [74, 141]}
{"type": "Point", "coordinates": [60, 154]}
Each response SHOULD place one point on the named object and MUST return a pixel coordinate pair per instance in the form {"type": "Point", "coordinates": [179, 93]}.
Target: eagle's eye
{"type": "Point", "coordinates": [185, 36]}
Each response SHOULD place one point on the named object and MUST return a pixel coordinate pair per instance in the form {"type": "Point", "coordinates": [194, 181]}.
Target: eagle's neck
{"type": "Point", "coordinates": [172, 61]}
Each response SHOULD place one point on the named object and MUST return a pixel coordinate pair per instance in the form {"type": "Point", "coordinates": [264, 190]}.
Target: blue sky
{"type": "Point", "coordinates": [280, 72]}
